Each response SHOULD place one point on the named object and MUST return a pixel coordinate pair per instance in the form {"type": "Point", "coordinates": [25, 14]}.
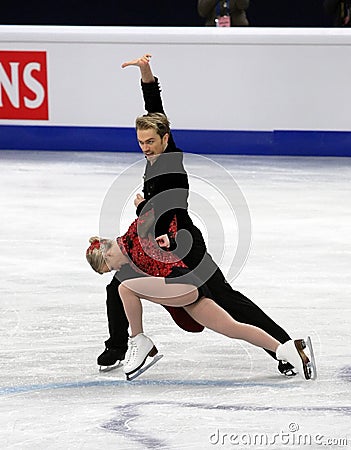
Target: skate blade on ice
{"type": "Point", "coordinates": [105, 369]}
{"type": "Point", "coordinates": [313, 365]}
{"type": "Point", "coordinates": [308, 361]}
{"type": "Point", "coordinates": [144, 368]}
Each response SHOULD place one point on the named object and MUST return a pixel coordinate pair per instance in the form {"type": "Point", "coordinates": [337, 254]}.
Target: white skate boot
{"type": "Point", "coordinates": [140, 347]}
{"type": "Point", "coordinates": [293, 352]}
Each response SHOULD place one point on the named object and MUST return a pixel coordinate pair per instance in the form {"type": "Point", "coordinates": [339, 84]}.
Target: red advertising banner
{"type": "Point", "coordinates": [23, 85]}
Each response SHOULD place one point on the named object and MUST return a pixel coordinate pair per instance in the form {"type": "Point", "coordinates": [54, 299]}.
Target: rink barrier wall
{"type": "Point", "coordinates": [100, 139]}
{"type": "Point", "coordinates": [272, 91]}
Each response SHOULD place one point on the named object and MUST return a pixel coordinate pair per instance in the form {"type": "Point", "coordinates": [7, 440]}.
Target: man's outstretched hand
{"type": "Point", "coordinates": [139, 62]}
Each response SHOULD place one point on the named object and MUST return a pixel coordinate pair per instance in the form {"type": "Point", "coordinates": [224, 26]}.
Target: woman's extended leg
{"type": "Point", "coordinates": [212, 316]}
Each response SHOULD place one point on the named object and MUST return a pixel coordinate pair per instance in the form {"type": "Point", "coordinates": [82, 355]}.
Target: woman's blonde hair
{"type": "Point", "coordinates": [95, 253]}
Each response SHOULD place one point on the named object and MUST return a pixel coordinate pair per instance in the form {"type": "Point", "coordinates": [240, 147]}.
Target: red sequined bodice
{"type": "Point", "coordinates": [146, 254]}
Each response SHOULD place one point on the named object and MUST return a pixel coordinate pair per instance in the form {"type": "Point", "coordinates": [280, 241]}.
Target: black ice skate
{"type": "Point", "coordinates": [286, 369]}
{"type": "Point", "coordinates": [110, 359]}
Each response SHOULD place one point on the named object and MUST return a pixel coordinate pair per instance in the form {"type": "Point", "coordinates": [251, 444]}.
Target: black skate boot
{"type": "Point", "coordinates": [286, 369]}
{"type": "Point", "coordinates": [110, 358]}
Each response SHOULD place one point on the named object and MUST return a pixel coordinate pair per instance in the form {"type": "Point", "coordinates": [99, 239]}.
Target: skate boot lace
{"type": "Point", "coordinates": [132, 351]}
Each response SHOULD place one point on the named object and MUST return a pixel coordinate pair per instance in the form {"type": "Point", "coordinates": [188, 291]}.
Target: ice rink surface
{"type": "Point", "coordinates": [208, 391]}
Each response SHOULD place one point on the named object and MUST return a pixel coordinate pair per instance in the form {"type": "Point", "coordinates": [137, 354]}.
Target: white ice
{"type": "Point", "coordinates": [208, 391]}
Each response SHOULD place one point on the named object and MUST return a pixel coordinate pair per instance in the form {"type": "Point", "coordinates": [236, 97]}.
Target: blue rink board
{"type": "Point", "coordinates": [108, 139]}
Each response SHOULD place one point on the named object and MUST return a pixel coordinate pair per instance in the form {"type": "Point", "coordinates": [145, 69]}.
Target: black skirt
{"type": "Point", "coordinates": [182, 275]}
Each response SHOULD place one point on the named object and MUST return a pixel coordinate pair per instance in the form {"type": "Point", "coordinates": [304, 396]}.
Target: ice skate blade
{"type": "Point", "coordinates": [313, 365]}
{"type": "Point", "coordinates": [132, 376]}
{"type": "Point", "coordinates": [105, 369]}
{"type": "Point", "coordinates": [308, 363]}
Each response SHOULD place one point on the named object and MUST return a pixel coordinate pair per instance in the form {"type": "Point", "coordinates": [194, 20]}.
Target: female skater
{"type": "Point", "coordinates": [171, 283]}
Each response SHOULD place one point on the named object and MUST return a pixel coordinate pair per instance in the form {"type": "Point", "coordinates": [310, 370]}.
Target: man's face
{"type": "Point", "coordinates": [151, 143]}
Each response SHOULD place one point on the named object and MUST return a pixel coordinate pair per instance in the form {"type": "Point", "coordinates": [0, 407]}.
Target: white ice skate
{"type": "Point", "coordinates": [140, 347]}
{"type": "Point", "coordinates": [293, 352]}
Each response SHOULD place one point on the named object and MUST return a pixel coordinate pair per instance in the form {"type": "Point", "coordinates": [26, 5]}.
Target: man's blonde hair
{"type": "Point", "coordinates": [156, 121]}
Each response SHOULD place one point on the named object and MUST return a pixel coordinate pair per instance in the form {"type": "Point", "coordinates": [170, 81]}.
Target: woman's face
{"type": "Point", "coordinates": [105, 269]}
{"type": "Point", "coordinates": [114, 257]}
